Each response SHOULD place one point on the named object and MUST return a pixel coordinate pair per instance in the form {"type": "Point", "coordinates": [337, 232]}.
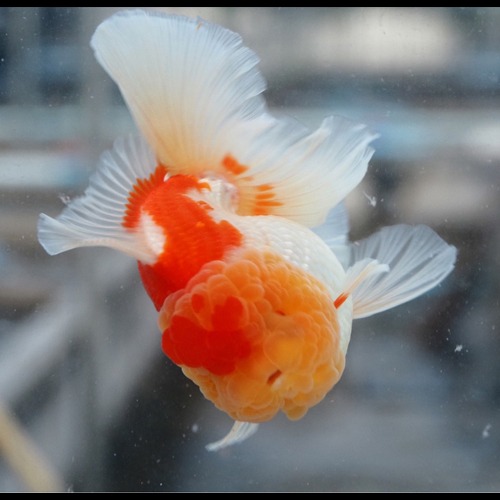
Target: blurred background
{"type": "Point", "coordinates": [88, 402]}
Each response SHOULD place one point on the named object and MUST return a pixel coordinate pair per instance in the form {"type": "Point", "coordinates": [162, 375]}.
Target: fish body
{"type": "Point", "coordinates": [237, 222]}
{"type": "Point", "coordinates": [258, 330]}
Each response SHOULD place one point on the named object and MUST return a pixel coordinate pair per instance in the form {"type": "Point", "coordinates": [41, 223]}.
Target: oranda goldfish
{"type": "Point", "coordinates": [237, 221]}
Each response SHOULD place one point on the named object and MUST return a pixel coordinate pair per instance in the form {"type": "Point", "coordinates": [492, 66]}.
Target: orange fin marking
{"type": "Point", "coordinates": [257, 200]}
{"type": "Point", "coordinates": [140, 192]}
{"type": "Point", "coordinates": [263, 204]}
{"type": "Point", "coordinates": [232, 165]}
{"type": "Point", "coordinates": [340, 300]}
{"type": "Point", "coordinates": [264, 196]}
{"type": "Point", "coordinates": [268, 203]}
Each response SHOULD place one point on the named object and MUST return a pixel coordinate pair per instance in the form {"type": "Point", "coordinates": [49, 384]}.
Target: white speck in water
{"type": "Point", "coordinates": [486, 431]}
{"type": "Point", "coordinates": [371, 199]}
{"type": "Point", "coordinates": [195, 428]}
{"type": "Point", "coordinates": [459, 347]}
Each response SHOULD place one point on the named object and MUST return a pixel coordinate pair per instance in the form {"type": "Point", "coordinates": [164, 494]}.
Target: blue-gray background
{"type": "Point", "coordinates": [82, 376]}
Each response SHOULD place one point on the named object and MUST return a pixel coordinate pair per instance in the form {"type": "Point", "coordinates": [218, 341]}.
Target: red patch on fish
{"type": "Point", "coordinates": [192, 236]}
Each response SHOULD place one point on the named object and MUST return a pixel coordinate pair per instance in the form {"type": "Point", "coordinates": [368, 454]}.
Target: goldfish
{"type": "Point", "coordinates": [238, 222]}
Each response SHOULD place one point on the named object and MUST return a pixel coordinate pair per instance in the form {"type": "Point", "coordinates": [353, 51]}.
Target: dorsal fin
{"type": "Point", "coordinates": [195, 93]}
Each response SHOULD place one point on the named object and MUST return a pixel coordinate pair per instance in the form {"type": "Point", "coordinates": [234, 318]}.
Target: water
{"type": "Point", "coordinates": [417, 409]}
